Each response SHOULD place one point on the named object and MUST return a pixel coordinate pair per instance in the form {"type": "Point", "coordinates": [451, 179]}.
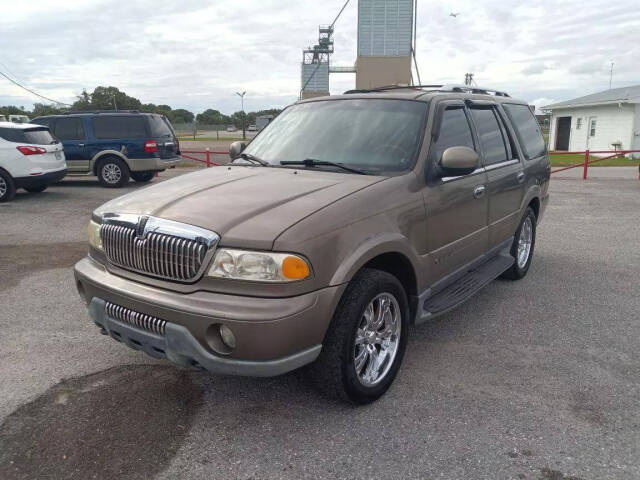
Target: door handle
{"type": "Point", "coordinates": [520, 177]}
{"type": "Point", "coordinates": [478, 191]}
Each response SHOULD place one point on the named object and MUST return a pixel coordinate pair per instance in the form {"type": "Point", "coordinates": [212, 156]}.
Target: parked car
{"type": "Point", "coordinates": [115, 145]}
{"type": "Point", "coordinates": [322, 244]}
{"type": "Point", "coordinates": [18, 118]}
{"type": "Point", "coordinates": [252, 128]}
{"type": "Point", "coordinates": [30, 158]}
{"type": "Point", "coordinates": [231, 128]}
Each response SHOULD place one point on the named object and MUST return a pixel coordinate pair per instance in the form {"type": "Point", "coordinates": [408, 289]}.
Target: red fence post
{"type": "Point", "coordinates": [586, 164]}
{"type": "Point", "coordinates": [208, 153]}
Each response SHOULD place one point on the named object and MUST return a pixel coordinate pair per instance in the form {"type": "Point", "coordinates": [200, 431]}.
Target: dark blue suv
{"type": "Point", "coordinates": [115, 145]}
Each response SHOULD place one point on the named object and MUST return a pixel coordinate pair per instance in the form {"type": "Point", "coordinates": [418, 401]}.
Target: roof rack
{"type": "Point", "coordinates": [451, 87]}
{"type": "Point", "coordinates": [76, 112]}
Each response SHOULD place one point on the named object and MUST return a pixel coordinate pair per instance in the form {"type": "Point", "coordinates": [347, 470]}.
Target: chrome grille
{"type": "Point", "coordinates": [180, 255]}
{"type": "Point", "coordinates": [137, 319]}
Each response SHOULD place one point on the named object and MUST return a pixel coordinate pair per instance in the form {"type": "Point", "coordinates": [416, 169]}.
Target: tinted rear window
{"type": "Point", "coordinates": [113, 126]}
{"type": "Point", "coordinates": [527, 129]}
{"type": "Point", "coordinates": [493, 146]}
{"type": "Point", "coordinates": [69, 129]}
{"type": "Point", "coordinates": [31, 136]}
{"type": "Point", "coordinates": [159, 126]}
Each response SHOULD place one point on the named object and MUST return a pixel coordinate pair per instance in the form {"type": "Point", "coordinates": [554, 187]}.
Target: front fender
{"type": "Point", "coordinates": [371, 248]}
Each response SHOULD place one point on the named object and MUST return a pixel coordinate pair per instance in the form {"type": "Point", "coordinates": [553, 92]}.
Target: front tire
{"type": "Point", "coordinates": [7, 187]}
{"type": "Point", "coordinates": [366, 340]}
{"type": "Point", "coordinates": [143, 177]}
{"type": "Point", "coordinates": [36, 189]}
{"type": "Point", "coordinates": [522, 247]}
{"type": "Point", "coordinates": [113, 172]}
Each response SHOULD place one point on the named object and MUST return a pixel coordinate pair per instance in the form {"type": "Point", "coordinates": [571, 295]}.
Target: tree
{"type": "Point", "coordinates": [40, 110]}
{"type": "Point", "coordinates": [180, 115]}
{"type": "Point", "coordinates": [106, 98]}
{"type": "Point", "coordinates": [212, 117]}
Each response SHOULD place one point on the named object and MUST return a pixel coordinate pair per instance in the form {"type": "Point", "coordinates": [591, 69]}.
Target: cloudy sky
{"type": "Point", "coordinates": [195, 54]}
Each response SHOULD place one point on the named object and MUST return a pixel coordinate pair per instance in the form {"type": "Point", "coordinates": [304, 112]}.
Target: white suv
{"type": "Point", "coordinates": [30, 158]}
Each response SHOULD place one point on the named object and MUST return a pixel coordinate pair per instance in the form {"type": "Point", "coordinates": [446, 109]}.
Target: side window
{"type": "Point", "coordinates": [527, 129]}
{"type": "Point", "coordinates": [454, 132]}
{"type": "Point", "coordinates": [69, 129]}
{"type": "Point", "coordinates": [592, 127]}
{"type": "Point", "coordinates": [490, 134]}
{"type": "Point", "coordinates": [111, 126]}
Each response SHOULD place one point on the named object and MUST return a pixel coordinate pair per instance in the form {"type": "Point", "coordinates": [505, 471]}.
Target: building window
{"type": "Point", "coordinates": [592, 127]}
{"type": "Point", "coordinates": [578, 124]}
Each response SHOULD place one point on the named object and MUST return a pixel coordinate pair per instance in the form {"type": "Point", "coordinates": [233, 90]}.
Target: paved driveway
{"type": "Point", "coordinates": [536, 379]}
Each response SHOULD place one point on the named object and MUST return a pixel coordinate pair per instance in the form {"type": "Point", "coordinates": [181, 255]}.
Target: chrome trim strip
{"type": "Point", "coordinates": [475, 172]}
{"type": "Point", "coordinates": [502, 164]}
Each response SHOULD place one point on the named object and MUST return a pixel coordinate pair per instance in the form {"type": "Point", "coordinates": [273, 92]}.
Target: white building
{"type": "Point", "coordinates": [608, 120]}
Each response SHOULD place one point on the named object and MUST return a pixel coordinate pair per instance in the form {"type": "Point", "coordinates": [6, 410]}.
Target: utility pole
{"type": "Point", "coordinates": [241, 95]}
{"type": "Point", "coordinates": [610, 75]}
{"type": "Point", "coordinates": [115, 107]}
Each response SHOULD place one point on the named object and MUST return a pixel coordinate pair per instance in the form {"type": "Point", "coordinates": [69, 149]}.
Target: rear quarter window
{"type": "Point", "coordinates": [527, 130]}
{"type": "Point", "coordinates": [114, 126]}
{"type": "Point", "coordinates": [30, 136]}
{"type": "Point", "coordinates": [160, 126]}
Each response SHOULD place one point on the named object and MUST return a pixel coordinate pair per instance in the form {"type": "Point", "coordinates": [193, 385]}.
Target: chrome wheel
{"type": "Point", "coordinates": [524, 242]}
{"type": "Point", "coordinates": [377, 339]}
{"type": "Point", "coordinates": [3, 187]}
{"type": "Point", "coordinates": [111, 173]}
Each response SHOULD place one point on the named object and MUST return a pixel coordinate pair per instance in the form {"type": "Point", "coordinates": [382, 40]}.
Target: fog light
{"type": "Point", "coordinates": [227, 336]}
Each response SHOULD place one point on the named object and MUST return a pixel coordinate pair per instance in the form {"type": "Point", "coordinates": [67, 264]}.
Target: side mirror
{"type": "Point", "coordinates": [458, 161]}
{"type": "Point", "coordinates": [235, 149]}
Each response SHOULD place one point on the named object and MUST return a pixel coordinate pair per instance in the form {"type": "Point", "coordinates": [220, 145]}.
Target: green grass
{"type": "Point", "coordinates": [564, 160]}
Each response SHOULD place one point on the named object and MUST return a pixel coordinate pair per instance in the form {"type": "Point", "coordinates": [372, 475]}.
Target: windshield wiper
{"type": "Point", "coordinates": [311, 162]}
{"type": "Point", "coordinates": [254, 159]}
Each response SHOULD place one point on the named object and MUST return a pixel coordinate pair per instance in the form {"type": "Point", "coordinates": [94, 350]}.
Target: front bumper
{"type": "Point", "coordinates": [179, 346]}
{"type": "Point", "coordinates": [37, 180]}
{"type": "Point", "coordinates": [153, 164]}
{"type": "Point", "coordinates": [273, 335]}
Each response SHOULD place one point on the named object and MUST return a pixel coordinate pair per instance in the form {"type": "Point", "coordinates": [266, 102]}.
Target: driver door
{"type": "Point", "coordinates": [456, 207]}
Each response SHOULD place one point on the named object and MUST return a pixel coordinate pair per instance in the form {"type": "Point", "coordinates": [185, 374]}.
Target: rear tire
{"type": "Point", "coordinates": [7, 187]}
{"type": "Point", "coordinates": [36, 189]}
{"type": "Point", "coordinates": [522, 247]}
{"type": "Point", "coordinates": [112, 172]}
{"type": "Point", "coordinates": [362, 350]}
{"type": "Point", "coordinates": [143, 176]}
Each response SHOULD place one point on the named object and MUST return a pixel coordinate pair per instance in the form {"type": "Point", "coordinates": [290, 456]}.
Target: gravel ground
{"type": "Point", "coordinates": [536, 379]}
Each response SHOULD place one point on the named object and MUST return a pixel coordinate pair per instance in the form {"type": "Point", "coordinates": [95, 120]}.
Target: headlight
{"type": "Point", "coordinates": [259, 266]}
{"type": "Point", "coordinates": [93, 232]}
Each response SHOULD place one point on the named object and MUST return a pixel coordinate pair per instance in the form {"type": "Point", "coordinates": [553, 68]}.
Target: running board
{"type": "Point", "coordinates": [465, 287]}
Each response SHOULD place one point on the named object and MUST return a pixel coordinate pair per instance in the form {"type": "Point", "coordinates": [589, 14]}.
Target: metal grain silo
{"type": "Point", "coordinates": [385, 38]}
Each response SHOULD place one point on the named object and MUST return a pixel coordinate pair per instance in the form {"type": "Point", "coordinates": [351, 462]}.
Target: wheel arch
{"type": "Point", "coordinates": [391, 254]}
{"type": "Point", "coordinates": [106, 153]}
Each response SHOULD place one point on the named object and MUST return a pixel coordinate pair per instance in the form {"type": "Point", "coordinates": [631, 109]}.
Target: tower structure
{"type": "Point", "coordinates": [315, 65]}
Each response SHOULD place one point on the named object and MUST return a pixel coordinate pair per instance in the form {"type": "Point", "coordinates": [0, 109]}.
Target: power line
{"type": "Point", "coordinates": [32, 92]}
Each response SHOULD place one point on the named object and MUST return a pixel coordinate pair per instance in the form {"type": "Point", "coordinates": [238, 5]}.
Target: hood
{"type": "Point", "coordinates": [247, 206]}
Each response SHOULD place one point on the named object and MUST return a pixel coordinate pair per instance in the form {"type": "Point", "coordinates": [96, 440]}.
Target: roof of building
{"type": "Point", "coordinates": [616, 95]}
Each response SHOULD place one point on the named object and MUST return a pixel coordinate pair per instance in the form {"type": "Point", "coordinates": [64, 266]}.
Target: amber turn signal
{"type": "Point", "coordinates": [295, 268]}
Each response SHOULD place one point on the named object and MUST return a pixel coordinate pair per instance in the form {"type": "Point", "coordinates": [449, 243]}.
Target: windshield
{"type": "Point", "coordinates": [373, 135]}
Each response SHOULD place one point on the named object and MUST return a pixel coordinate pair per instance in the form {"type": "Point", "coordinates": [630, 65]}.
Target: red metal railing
{"type": "Point", "coordinates": [588, 161]}
{"type": "Point", "coordinates": [207, 160]}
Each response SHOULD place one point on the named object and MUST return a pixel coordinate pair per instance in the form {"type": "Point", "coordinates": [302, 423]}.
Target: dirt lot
{"type": "Point", "coordinates": [536, 379]}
